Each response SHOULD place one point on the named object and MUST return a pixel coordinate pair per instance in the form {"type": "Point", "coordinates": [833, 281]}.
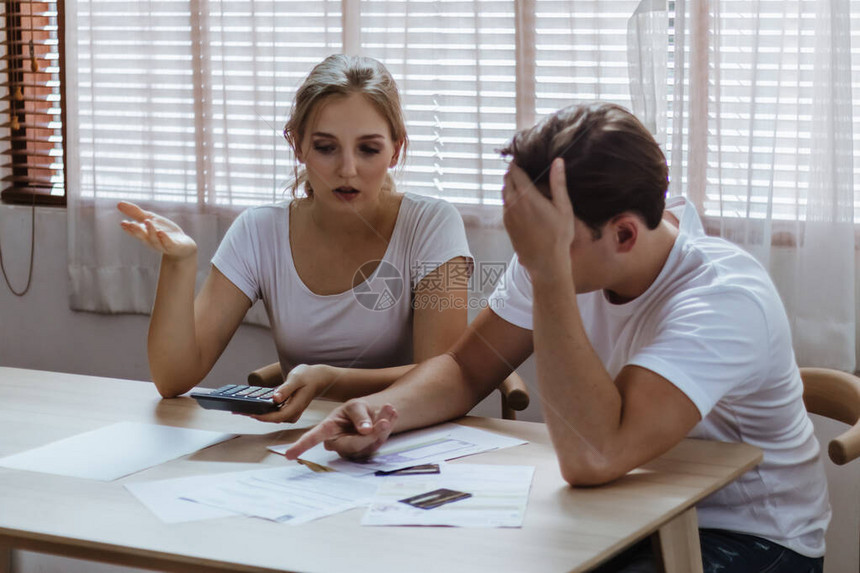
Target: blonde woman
{"type": "Point", "coordinates": [359, 280]}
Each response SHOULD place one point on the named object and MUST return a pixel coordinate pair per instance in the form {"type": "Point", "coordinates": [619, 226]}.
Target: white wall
{"type": "Point", "coordinates": [39, 331]}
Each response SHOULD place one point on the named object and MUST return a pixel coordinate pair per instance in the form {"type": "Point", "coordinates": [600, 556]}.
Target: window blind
{"type": "Point", "coordinates": [31, 94]}
{"type": "Point", "coordinates": [760, 125]}
{"type": "Point", "coordinates": [185, 101]}
{"type": "Point", "coordinates": [761, 158]}
{"type": "Point", "coordinates": [455, 64]}
{"type": "Point", "coordinates": [581, 53]}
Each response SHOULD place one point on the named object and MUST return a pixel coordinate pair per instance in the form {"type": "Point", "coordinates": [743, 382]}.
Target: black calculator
{"type": "Point", "coordinates": [238, 398]}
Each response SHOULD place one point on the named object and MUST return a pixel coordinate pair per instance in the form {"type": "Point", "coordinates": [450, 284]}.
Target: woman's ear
{"type": "Point", "coordinates": [295, 145]}
{"type": "Point", "coordinates": [395, 159]}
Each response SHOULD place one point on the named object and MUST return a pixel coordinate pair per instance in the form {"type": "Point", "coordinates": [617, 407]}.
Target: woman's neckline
{"type": "Point", "coordinates": [394, 230]}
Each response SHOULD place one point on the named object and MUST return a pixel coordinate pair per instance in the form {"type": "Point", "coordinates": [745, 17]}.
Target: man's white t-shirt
{"type": "Point", "coordinates": [712, 323]}
{"type": "Point", "coordinates": [369, 326]}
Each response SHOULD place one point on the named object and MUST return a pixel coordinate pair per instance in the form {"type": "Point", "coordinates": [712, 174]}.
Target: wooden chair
{"type": "Point", "coordinates": [515, 395]}
{"type": "Point", "coordinates": [835, 395]}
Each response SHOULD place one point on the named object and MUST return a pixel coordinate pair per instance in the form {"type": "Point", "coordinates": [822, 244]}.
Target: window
{"type": "Point", "coordinates": [774, 73]}
{"type": "Point", "coordinates": [189, 107]}
{"type": "Point", "coordinates": [32, 91]}
{"type": "Point", "coordinates": [182, 102]}
{"type": "Point", "coordinates": [455, 63]}
{"type": "Point", "coordinates": [581, 54]}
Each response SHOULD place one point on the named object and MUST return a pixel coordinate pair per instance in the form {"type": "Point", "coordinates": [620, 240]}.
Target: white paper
{"type": "Point", "coordinates": [113, 451]}
{"type": "Point", "coordinates": [292, 494]}
{"type": "Point", "coordinates": [425, 446]}
{"type": "Point", "coordinates": [499, 497]}
{"type": "Point", "coordinates": [162, 498]}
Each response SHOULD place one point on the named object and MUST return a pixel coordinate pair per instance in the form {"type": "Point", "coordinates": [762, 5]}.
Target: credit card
{"type": "Point", "coordinates": [435, 498]}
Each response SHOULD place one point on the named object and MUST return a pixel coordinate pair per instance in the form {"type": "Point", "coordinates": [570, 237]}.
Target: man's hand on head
{"type": "Point", "coordinates": [354, 430]}
{"type": "Point", "coordinates": [541, 229]}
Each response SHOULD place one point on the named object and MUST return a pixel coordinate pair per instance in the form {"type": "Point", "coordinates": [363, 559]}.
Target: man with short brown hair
{"type": "Point", "coordinates": [645, 332]}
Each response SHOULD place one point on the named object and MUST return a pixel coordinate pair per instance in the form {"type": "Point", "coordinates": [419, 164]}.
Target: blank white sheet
{"type": "Point", "coordinates": [113, 451]}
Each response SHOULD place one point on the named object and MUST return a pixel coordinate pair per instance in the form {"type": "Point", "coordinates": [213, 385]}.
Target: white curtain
{"type": "Point", "coordinates": [647, 53]}
{"type": "Point", "coordinates": [179, 105]}
{"type": "Point", "coordinates": [455, 65]}
{"type": "Point", "coordinates": [761, 138]}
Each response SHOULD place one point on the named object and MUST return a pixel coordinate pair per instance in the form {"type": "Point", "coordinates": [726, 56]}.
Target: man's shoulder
{"type": "Point", "coordinates": [714, 273]}
{"type": "Point", "coordinates": [721, 263]}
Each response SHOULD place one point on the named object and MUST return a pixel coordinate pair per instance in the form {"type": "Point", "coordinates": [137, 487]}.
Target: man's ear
{"type": "Point", "coordinates": [398, 147]}
{"type": "Point", "coordinates": [625, 229]}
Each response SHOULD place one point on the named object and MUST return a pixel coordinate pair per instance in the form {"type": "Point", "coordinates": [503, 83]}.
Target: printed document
{"type": "Point", "coordinates": [425, 446]}
{"type": "Point", "coordinates": [498, 497]}
{"type": "Point", "coordinates": [292, 494]}
{"type": "Point", "coordinates": [163, 498]}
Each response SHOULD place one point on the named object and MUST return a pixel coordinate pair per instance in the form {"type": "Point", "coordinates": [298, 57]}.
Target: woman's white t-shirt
{"type": "Point", "coordinates": [712, 324]}
{"type": "Point", "coordinates": [369, 326]}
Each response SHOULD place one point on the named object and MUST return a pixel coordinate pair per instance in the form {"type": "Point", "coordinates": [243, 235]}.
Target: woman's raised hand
{"type": "Point", "coordinates": [158, 232]}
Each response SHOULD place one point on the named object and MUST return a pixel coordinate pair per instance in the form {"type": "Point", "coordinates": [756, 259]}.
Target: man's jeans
{"type": "Point", "coordinates": [722, 552]}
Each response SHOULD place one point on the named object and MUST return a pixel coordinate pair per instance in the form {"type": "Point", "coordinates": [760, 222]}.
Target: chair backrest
{"type": "Point", "coordinates": [836, 395]}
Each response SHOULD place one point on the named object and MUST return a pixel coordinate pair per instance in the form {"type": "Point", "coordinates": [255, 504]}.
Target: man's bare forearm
{"type": "Point", "coordinates": [581, 404]}
{"type": "Point", "coordinates": [433, 391]}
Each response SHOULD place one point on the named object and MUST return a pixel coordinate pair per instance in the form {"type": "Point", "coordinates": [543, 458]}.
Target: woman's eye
{"type": "Point", "coordinates": [324, 148]}
{"type": "Point", "coordinates": [369, 150]}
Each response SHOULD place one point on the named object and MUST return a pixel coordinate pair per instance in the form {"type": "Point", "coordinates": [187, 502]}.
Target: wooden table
{"type": "Point", "coordinates": [565, 529]}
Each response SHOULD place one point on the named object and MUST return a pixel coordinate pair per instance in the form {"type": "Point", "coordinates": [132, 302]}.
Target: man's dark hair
{"type": "Point", "coordinates": [612, 163]}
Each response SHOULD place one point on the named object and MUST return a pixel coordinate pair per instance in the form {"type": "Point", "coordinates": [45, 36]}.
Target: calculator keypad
{"type": "Point", "coordinates": [237, 391]}
{"type": "Point", "coordinates": [239, 398]}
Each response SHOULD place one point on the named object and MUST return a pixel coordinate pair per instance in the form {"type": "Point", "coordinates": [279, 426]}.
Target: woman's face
{"type": "Point", "coordinates": [347, 151]}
